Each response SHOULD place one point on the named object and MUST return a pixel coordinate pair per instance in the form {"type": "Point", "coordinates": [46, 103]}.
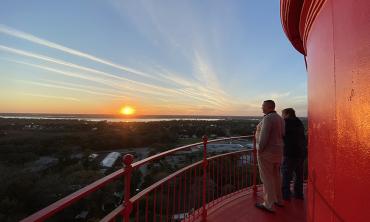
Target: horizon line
{"type": "Point", "coordinates": [127, 117]}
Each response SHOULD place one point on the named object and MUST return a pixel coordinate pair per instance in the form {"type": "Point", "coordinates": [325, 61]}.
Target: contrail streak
{"type": "Point", "coordinates": [205, 97]}
{"type": "Point", "coordinates": [70, 74]}
{"type": "Point", "coordinates": [156, 90]}
{"type": "Point", "coordinates": [52, 97]}
{"type": "Point", "coordinates": [70, 88]}
{"type": "Point", "coordinates": [22, 35]}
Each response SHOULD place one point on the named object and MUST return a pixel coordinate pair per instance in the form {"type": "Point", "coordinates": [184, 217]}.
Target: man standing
{"type": "Point", "coordinates": [294, 154]}
{"type": "Point", "coordinates": [270, 144]}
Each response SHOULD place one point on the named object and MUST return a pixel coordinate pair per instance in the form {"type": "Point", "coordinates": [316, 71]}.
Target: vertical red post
{"type": "Point", "coordinates": [137, 212]}
{"type": "Point", "coordinates": [204, 212]}
{"type": "Point", "coordinates": [173, 208]}
{"type": "Point", "coordinates": [168, 200]}
{"type": "Point", "coordinates": [254, 165]}
{"type": "Point", "coordinates": [184, 198]}
{"type": "Point", "coordinates": [160, 218]}
{"type": "Point", "coordinates": [154, 205]}
{"type": "Point", "coordinates": [127, 161]}
{"type": "Point", "coordinates": [146, 206]}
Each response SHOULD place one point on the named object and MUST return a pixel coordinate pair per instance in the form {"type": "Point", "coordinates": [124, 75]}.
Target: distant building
{"type": "Point", "coordinates": [93, 156]}
{"type": "Point", "coordinates": [82, 216]}
{"type": "Point", "coordinates": [180, 217]}
{"type": "Point", "coordinates": [77, 156]}
{"type": "Point", "coordinates": [43, 163]}
{"type": "Point", "coordinates": [110, 159]}
{"type": "Point", "coordinates": [245, 160]}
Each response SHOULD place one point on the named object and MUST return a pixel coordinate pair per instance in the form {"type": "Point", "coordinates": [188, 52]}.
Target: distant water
{"type": "Point", "coordinates": [108, 118]}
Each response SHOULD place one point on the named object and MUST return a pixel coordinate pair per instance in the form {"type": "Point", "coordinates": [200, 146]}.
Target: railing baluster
{"type": "Point", "coordinates": [242, 172]}
{"type": "Point", "coordinates": [217, 175]}
{"type": "Point", "coordinates": [195, 193]}
{"type": "Point", "coordinates": [204, 210]}
{"type": "Point", "coordinates": [213, 180]}
{"type": "Point", "coordinates": [179, 196]}
{"type": "Point", "coordinates": [234, 172]}
{"type": "Point", "coordinates": [205, 163]}
{"type": "Point", "coordinates": [241, 185]}
{"type": "Point", "coordinates": [154, 205]}
{"type": "Point", "coordinates": [222, 178]}
{"type": "Point", "coordinates": [185, 195]}
{"type": "Point", "coordinates": [146, 206]}
{"type": "Point", "coordinates": [200, 189]}
{"type": "Point", "coordinates": [248, 177]}
{"type": "Point", "coordinates": [160, 217]}
{"type": "Point", "coordinates": [230, 173]}
{"type": "Point", "coordinates": [168, 200]}
{"type": "Point", "coordinates": [237, 173]}
{"type": "Point", "coordinates": [127, 161]}
{"type": "Point", "coordinates": [191, 192]}
{"type": "Point", "coordinates": [174, 199]}
{"type": "Point", "coordinates": [254, 166]}
{"type": "Point", "coordinates": [246, 169]}
{"type": "Point", "coordinates": [196, 190]}
{"type": "Point", "coordinates": [137, 211]}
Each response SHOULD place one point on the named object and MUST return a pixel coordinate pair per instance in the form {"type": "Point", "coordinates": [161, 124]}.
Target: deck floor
{"type": "Point", "coordinates": [242, 209]}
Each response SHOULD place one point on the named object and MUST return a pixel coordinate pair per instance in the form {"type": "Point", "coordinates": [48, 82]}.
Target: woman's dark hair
{"type": "Point", "coordinates": [289, 112]}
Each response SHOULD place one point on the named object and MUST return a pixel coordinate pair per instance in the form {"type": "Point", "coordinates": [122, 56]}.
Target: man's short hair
{"type": "Point", "coordinates": [289, 112]}
{"type": "Point", "coordinates": [270, 102]}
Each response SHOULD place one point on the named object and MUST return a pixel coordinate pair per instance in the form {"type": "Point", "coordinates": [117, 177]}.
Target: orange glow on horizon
{"type": "Point", "coordinates": [127, 110]}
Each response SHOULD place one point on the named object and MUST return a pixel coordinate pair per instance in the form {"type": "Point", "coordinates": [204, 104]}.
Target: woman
{"type": "Point", "coordinates": [294, 145]}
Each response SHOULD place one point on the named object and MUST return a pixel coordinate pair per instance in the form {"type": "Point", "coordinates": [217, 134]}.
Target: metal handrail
{"type": "Point", "coordinates": [144, 192]}
{"type": "Point", "coordinates": [126, 208]}
{"type": "Point", "coordinates": [61, 204]}
{"type": "Point", "coordinates": [168, 152]}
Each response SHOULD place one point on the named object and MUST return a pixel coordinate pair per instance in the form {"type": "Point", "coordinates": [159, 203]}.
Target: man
{"type": "Point", "coordinates": [294, 154]}
{"type": "Point", "coordinates": [269, 141]}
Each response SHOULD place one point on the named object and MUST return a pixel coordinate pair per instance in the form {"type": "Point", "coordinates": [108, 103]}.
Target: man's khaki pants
{"type": "Point", "coordinates": [269, 168]}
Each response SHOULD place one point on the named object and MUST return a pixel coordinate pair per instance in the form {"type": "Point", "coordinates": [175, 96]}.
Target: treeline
{"type": "Point", "coordinates": [23, 140]}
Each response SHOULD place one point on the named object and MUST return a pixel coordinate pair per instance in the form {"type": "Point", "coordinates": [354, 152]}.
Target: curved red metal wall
{"type": "Point", "coordinates": [335, 36]}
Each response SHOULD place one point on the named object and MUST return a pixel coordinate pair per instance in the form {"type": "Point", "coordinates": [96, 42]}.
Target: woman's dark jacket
{"type": "Point", "coordinates": [294, 139]}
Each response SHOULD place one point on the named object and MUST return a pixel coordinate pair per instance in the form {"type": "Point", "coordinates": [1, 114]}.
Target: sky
{"type": "Point", "coordinates": [162, 57]}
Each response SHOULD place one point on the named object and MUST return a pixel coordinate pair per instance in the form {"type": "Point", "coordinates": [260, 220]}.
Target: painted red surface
{"type": "Point", "coordinates": [241, 209]}
{"type": "Point", "coordinates": [336, 38]}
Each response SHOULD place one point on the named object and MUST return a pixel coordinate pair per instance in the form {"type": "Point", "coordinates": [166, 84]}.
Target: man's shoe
{"type": "Point", "coordinates": [286, 196]}
{"type": "Point", "coordinates": [263, 207]}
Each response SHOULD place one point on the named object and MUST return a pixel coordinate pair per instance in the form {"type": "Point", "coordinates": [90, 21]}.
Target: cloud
{"type": "Point", "coordinates": [147, 89]}
{"type": "Point", "coordinates": [51, 97]}
{"type": "Point", "coordinates": [279, 95]}
{"type": "Point", "coordinates": [190, 91]}
{"type": "Point", "coordinates": [60, 86]}
{"type": "Point", "coordinates": [83, 68]}
{"type": "Point", "coordinates": [204, 72]}
{"type": "Point", "coordinates": [22, 35]}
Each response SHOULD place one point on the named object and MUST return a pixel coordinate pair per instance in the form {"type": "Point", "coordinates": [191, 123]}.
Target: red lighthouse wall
{"type": "Point", "coordinates": [335, 37]}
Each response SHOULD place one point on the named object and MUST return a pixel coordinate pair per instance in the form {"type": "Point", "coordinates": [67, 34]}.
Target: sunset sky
{"type": "Point", "coordinates": [158, 56]}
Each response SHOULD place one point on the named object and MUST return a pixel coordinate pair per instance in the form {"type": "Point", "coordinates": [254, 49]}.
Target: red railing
{"type": "Point", "coordinates": [184, 195]}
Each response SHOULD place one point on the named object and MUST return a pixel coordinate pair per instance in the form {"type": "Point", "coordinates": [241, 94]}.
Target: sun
{"type": "Point", "coordinates": [127, 110]}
